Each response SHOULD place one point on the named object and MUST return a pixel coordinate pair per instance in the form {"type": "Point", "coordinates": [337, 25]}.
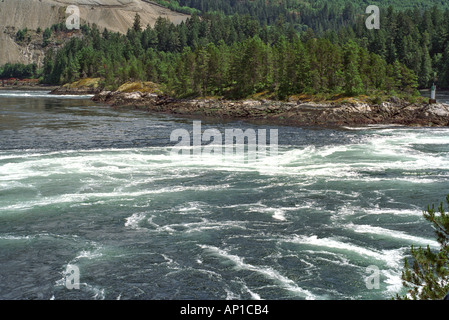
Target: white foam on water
{"type": "Point", "coordinates": [279, 214]}
{"type": "Point", "coordinates": [134, 220]}
{"type": "Point", "coordinates": [299, 161]}
{"type": "Point", "coordinates": [387, 233]}
{"type": "Point", "coordinates": [345, 211]}
{"type": "Point", "coordinates": [87, 254]}
{"type": "Point", "coordinates": [253, 295]}
{"type": "Point", "coordinates": [171, 264]}
{"type": "Point", "coordinates": [97, 292]}
{"type": "Point", "coordinates": [374, 127]}
{"type": "Point", "coordinates": [391, 258]}
{"type": "Point", "coordinates": [194, 207]}
{"type": "Point", "coordinates": [391, 211]}
{"type": "Point", "coordinates": [306, 161]}
{"type": "Point", "coordinates": [393, 280]}
{"type": "Point", "coordinates": [42, 94]}
{"type": "Point", "coordinates": [245, 289]}
{"type": "Point", "coordinates": [39, 236]}
{"type": "Point", "coordinates": [401, 145]}
{"type": "Point", "coordinates": [231, 295]}
{"type": "Point", "coordinates": [11, 237]}
{"type": "Point", "coordinates": [198, 226]}
{"type": "Point", "coordinates": [339, 259]}
{"type": "Point", "coordinates": [331, 150]}
{"type": "Point", "coordinates": [267, 272]}
{"type": "Point", "coordinates": [10, 185]}
{"type": "Point", "coordinates": [91, 198]}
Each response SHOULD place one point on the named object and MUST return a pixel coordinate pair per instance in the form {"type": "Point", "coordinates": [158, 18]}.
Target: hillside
{"type": "Point", "coordinates": [115, 15]}
{"type": "Point", "coordinates": [303, 12]}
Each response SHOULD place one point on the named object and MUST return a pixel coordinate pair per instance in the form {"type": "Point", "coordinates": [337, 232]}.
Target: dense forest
{"type": "Point", "coordinates": [239, 48]}
{"type": "Point", "coordinates": [318, 14]}
{"type": "Point", "coordinates": [230, 56]}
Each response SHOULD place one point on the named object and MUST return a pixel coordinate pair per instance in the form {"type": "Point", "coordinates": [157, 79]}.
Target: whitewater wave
{"type": "Point", "coordinates": [387, 233]}
{"type": "Point", "coordinates": [392, 258]}
{"type": "Point", "coordinates": [266, 271]}
{"type": "Point", "coordinates": [42, 94]}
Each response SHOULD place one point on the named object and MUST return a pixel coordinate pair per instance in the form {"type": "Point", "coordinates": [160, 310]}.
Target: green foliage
{"type": "Point", "coordinates": [175, 6]}
{"type": "Point", "coordinates": [416, 38]}
{"type": "Point", "coordinates": [136, 25]}
{"type": "Point", "coordinates": [427, 277]}
{"type": "Point", "coordinates": [320, 15]}
{"type": "Point", "coordinates": [230, 56]}
{"type": "Point", "coordinates": [19, 70]}
{"type": "Point", "coordinates": [413, 32]}
{"type": "Point", "coordinates": [20, 35]}
{"type": "Point", "coordinates": [410, 51]}
{"type": "Point", "coordinates": [46, 36]}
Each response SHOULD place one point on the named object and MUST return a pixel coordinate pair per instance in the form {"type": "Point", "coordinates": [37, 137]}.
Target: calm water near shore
{"type": "Point", "coordinates": [89, 186]}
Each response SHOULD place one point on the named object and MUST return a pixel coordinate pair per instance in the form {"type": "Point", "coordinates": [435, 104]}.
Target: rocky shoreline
{"type": "Point", "coordinates": [300, 113]}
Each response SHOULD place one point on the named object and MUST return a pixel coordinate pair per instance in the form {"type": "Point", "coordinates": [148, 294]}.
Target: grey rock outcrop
{"type": "Point", "coordinates": [293, 113]}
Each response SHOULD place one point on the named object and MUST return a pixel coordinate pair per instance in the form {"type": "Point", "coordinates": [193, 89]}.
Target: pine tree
{"type": "Point", "coordinates": [200, 75]}
{"type": "Point", "coordinates": [442, 62]}
{"type": "Point", "coordinates": [46, 37]}
{"type": "Point", "coordinates": [282, 79]}
{"type": "Point", "coordinates": [425, 72]}
{"type": "Point", "coordinates": [353, 82]}
{"type": "Point", "coordinates": [428, 275]}
{"type": "Point", "coordinates": [396, 75]}
{"type": "Point", "coordinates": [302, 64]}
{"type": "Point", "coordinates": [137, 24]}
{"type": "Point", "coordinates": [185, 68]}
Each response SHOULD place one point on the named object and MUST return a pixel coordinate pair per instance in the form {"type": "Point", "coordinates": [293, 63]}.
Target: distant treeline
{"type": "Point", "coordinates": [232, 56]}
{"type": "Point", "coordinates": [319, 15]}
{"type": "Point", "coordinates": [19, 70]}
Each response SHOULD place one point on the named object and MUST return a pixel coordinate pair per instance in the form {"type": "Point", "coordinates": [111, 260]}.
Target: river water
{"type": "Point", "coordinates": [96, 190]}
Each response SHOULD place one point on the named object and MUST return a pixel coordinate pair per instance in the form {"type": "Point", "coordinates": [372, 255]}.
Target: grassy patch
{"type": "Point", "coordinates": [145, 87]}
{"type": "Point", "coordinates": [92, 83]}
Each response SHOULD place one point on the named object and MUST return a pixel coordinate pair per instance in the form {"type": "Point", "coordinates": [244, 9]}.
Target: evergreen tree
{"type": "Point", "coordinates": [353, 82]}
{"type": "Point", "coordinates": [137, 27]}
{"type": "Point", "coordinates": [427, 277]}
{"type": "Point", "coordinates": [46, 36]}
{"type": "Point", "coordinates": [302, 63]}
{"type": "Point", "coordinates": [425, 71]}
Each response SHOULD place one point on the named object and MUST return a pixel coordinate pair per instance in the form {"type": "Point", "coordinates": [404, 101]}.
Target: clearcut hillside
{"type": "Point", "coordinates": [115, 15]}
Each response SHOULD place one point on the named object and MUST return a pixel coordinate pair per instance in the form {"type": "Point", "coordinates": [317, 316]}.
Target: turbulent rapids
{"type": "Point", "coordinates": [88, 186]}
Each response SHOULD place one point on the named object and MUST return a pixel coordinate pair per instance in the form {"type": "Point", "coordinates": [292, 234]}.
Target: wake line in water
{"type": "Point", "coordinates": [136, 220]}
{"type": "Point", "coordinates": [119, 195]}
{"type": "Point", "coordinates": [392, 258]}
{"type": "Point", "coordinates": [382, 232]}
{"type": "Point", "coordinates": [267, 272]}
{"type": "Point", "coordinates": [47, 95]}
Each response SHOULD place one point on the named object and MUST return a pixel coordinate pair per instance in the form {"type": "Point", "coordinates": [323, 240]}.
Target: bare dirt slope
{"type": "Point", "coordinates": [115, 15]}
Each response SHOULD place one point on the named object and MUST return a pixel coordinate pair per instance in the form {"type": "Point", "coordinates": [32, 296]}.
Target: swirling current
{"type": "Point", "coordinates": [98, 188]}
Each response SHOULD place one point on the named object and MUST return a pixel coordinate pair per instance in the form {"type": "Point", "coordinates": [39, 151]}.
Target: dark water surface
{"type": "Point", "coordinates": [89, 186]}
